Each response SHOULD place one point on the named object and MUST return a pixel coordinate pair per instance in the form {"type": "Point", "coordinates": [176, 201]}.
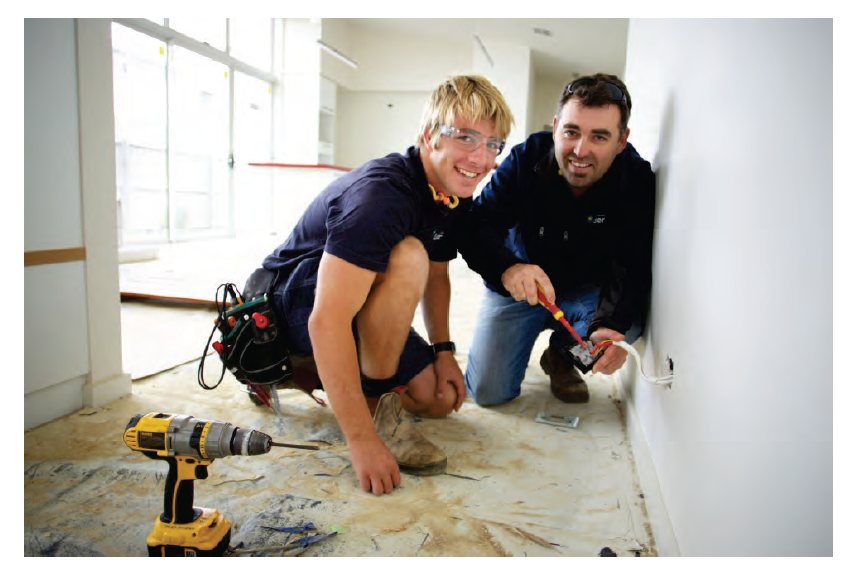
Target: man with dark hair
{"type": "Point", "coordinates": [367, 251]}
{"type": "Point", "coordinates": [570, 211]}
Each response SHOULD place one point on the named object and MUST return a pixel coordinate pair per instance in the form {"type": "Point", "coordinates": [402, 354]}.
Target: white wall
{"type": "Point", "coordinates": [375, 123]}
{"type": "Point", "coordinates": [380, 104]}
{"type": "Point", "coordinates": [298, 95]}
{"type": "Point", "coordinates": [547, 92]}
{"type": "Point", "coordinates": [510, 70]}
{"type": "Point", "coordinates": [736, 457]}
{"type": "Point", "coordinates": [397, 62]}
{"type": "Point", "coordinates": [50, 120]}
{"type": "Point", "coordinates": [336, 32]}
{"type": "Point", "coordinates": [72, 354]}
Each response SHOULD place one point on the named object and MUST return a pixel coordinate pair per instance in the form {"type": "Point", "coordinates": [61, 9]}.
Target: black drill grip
{"type": "Point", "coordinates": [178, 493]}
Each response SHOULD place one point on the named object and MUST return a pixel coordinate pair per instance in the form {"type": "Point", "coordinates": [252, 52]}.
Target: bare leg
{"type": "Point", "coordinates": [384, 321]}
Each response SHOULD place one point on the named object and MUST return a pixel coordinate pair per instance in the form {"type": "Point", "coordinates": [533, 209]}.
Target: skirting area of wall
{"type": "Point", "coordinates": [660, 522]}
{"type": "Point", "coordinates": [97, 395]}
{"type": "Point", "coordinates": [49, 403]}
{"type": "Point", "coordinates": [46, 404]}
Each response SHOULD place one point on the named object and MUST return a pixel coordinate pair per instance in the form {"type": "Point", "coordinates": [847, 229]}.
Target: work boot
{"type": "Point", "coordinates": [414, 453]}
{"type": "Point", "coordinates": [564, 379]}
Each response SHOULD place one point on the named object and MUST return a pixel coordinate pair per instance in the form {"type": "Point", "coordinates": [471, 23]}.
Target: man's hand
{"type": "Point", "coordinates": [449, 379]}
{"type": "Point", "coordinates": [521, 281]}
{"type": "Point", "coordinates": [614, 357]}
{"type": "Point", "coordinates": [375, 466]}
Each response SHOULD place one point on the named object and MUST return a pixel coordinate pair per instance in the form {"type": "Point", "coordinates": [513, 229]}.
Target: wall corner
{"type": "Point", "coordinates": [101, 393]}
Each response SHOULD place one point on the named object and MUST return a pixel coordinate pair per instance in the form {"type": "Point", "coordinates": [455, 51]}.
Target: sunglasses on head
{"type": "Point", "coordinates": [615, 92]}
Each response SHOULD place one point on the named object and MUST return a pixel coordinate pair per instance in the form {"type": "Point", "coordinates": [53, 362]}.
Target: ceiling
{"type": "Point", "coordinates": [561, 47]}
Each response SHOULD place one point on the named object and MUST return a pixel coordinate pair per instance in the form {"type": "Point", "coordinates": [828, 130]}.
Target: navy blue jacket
{"type": "Point", "coordinates": [527, 214]}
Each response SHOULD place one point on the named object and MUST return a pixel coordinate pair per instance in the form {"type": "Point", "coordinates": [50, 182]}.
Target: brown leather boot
{"type": "Point", "coordinates": [414, 453]}
{"type": "Point", "coordinates": [564, 379]}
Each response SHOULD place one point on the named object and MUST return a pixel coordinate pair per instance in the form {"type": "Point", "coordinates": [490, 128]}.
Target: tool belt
{"type": "Point", "coordinates": [252, 344]}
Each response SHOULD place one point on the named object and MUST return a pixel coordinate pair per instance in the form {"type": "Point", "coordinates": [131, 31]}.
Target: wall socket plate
{"type": "Point", "coordinates": [668, 365]}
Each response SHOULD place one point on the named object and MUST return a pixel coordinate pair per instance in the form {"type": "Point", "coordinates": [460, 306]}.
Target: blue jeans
{"type": "Point", "coordinates": [505, 334]}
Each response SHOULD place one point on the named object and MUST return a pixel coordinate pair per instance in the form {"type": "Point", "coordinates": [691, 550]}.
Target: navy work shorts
{"type": "Point", "coordinates": [293, 301]}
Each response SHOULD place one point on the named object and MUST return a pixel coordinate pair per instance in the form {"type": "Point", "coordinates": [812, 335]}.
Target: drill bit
{"type": "Point", "coordinates": [307, 447]}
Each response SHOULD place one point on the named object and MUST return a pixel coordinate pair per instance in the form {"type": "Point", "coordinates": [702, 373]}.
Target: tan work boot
{"type": "Point", "coordinates": [564, 379]}
{"type": "Point", "coordinates": [414, 453]}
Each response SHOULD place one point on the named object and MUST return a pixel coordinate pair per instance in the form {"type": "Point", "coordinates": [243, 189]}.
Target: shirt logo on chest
{"type": "Point", "coordinates": [599, 219]}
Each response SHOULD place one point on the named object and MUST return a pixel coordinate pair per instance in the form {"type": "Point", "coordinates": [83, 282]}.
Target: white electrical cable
{"type": "Point", "coordinates": [663, 381]}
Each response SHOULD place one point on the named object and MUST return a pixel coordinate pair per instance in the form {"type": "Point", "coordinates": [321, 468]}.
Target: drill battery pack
{"type": "Point", "coordinates": [208, 535]}
{"type": "Point", "coordinates": [581, 357]}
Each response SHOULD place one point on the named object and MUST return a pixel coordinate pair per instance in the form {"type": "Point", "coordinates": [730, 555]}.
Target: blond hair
{"type": "Point", "coordinates": [471, 97]}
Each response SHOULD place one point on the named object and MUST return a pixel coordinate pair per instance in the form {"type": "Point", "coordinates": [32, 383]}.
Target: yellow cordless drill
{"type": "Point", "coordinates": [189, 445]}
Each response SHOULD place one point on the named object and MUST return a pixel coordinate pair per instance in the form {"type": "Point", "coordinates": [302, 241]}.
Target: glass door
{"type": "Point", "coordinates": [199, 97]}
{"type": "Point", "coordinates": [253, 143]}
{"type": "Point", "coordinates": [189, 118]}
{"type": "Point", "coordinates": [139, 85]}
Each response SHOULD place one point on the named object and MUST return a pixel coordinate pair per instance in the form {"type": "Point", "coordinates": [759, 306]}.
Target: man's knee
{"type": "Point", "coordinates": [420, 397]}
{"type": "Point", "coordinates": [411, 247]}
{"type": "Point", "coordinates": [429, 407]}
{"type": "Point", "coordinates": [408, 264]}
{"type": "Point", "coordinates": [486, 399]}
{"type": "Point", "coordinates": [490, 385]}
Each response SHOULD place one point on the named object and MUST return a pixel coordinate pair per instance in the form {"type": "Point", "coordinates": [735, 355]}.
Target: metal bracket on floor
{"type": "Point", "coordinates": [558, 420]}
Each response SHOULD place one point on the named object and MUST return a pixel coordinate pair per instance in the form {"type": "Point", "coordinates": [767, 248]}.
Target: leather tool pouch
{"type": "Point", "coordinates": [252, 344]}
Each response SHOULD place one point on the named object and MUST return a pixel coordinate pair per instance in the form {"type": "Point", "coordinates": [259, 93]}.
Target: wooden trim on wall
{"type": "Point", "coordinates": [54, 256]}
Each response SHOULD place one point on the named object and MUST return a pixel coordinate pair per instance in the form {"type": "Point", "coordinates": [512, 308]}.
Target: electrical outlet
{"type": "Point", "coordinates": [668, 365]}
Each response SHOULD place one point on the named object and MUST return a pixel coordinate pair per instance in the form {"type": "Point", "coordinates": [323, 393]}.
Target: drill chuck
{"type": "Point", "coordinates": [250, 442]}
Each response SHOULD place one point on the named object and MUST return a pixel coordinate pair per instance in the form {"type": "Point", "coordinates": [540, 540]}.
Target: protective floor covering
{"type": "Point", "coordinates": [513, 487]}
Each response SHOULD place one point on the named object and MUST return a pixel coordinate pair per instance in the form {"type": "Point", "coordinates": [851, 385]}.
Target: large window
{"type": "Point", "coordinates": [139, 102]}
{"type": "Point", "coordinates": [193, 106]}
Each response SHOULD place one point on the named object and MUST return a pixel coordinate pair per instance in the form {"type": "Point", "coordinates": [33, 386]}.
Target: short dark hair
{"type": "Point", "coordinates": [596, 91]}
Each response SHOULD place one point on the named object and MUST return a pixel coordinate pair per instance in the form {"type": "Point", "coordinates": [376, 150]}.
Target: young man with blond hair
{"type": "Point", "coordinates": [367, 251]}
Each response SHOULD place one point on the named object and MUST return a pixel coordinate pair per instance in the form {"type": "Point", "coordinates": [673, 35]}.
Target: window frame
{"type": "Point", "coordinates": [172, 38]}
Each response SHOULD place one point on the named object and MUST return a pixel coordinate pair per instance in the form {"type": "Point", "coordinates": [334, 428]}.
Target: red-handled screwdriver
{"type": "Point", "coordinates": [559, 315]}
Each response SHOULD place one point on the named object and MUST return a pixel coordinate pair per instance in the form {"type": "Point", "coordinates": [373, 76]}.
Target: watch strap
{"type": "Point", "coordinates": [443, 347]}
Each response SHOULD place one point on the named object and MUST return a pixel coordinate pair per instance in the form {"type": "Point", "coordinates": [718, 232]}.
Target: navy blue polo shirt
{"type": "Point", "coordinates": [361, 216]}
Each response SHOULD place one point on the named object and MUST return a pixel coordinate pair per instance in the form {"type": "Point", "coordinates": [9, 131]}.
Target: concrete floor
{"type": "Point", "coordinates": [514, 486]}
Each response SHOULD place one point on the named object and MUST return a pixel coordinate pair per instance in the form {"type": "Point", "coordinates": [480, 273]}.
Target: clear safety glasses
{"type": "Point", "coordinates": [470, 140]}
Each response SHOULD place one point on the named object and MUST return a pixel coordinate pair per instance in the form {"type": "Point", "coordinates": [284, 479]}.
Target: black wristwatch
{"type": "Point", "coordinates": [443, 347]}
